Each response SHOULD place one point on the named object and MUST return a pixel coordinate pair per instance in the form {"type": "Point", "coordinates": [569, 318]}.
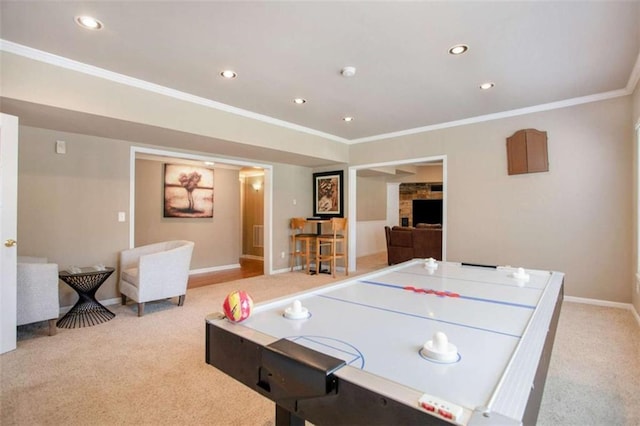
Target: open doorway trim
{"type": "Point", "coordinates": [267, 185]}
{"type": "Point", "coordinates": [353, 208]}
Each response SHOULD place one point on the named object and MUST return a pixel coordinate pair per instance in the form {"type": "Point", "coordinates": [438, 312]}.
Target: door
{"type": "Point", "coordinates": [8, 229]}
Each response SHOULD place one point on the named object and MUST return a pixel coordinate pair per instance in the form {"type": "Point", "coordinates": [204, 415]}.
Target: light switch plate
{"type": "Point", "coordinates": [61, 147]}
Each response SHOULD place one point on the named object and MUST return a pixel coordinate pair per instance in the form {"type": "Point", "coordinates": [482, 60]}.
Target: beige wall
{"type": "Point", "coordinates": [217, 239]}
{"type": "Point", "coordinates": [635, 119]}
{"type": "Point", "coordinates": [576, 218]}
{"type": "Point", "coordinates": [429, 174]}
{"type": "Point", "coordinates": [68, 204]}
{"type": "Point", "coordinates": [292, 197]}
{"type": "Point", "coordinates": [371, 198]}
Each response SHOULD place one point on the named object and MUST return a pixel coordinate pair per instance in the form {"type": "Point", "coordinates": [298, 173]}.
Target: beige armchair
{"type": "Point", "coordinates": [155, 271]}
{"type": "Point", "coordinates": [37, 292]}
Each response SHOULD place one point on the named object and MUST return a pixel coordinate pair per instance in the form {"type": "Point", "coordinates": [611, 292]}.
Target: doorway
{"type": "Point", "coordinates": [252, 209]}
{"type": "Point", "coordinates": [221, 237]}
{"type": "Point", "coordinates": [392, 198]}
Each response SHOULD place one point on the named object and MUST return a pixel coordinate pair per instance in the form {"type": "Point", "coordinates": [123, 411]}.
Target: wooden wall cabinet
{"type": "Point", "coordinates": [527, 152]}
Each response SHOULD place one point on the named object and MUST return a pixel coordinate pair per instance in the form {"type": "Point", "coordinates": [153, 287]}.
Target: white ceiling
{"type": "Point", "coordinates": [536, 53]}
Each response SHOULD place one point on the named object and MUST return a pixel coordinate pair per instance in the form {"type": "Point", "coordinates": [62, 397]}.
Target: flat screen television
{"type": "Point", "coordinates": [427, 211]}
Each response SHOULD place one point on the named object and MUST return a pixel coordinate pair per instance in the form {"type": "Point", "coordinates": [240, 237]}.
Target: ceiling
{"type": "Point", "coordinates": [536, 53]}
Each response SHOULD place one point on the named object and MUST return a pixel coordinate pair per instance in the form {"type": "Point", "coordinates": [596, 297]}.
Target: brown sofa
{"type": "Point", "coordinates": [406, 243]}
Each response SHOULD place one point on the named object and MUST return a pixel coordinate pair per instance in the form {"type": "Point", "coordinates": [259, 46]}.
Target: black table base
{"type": "Point", "coordinates": [87, 311]}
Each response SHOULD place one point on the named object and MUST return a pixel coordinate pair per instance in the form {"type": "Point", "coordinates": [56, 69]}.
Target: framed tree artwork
{"type": "Point", "coordinates": [188, 191]}
{"type": "Point", "coordinates": [328, 194]}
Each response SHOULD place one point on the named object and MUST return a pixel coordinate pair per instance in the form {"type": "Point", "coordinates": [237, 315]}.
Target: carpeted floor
{"type": "Point", "coordinates": [594, 375]}
{"type": "Point", "coordinates": [151, 370]}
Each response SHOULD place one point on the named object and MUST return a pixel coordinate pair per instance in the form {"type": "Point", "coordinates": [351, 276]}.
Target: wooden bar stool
{"type": "Point", "coordinates": [330, 247]}
{"type": "Point", "coordinates": [302, 243]}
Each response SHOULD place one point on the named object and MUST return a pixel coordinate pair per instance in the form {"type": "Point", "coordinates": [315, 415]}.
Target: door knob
{"type": "Point", "coordinates": [10, 243]}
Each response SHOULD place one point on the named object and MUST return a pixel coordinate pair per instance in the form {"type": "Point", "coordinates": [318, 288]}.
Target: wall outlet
{"type": "Point", "coordinates": [282, 254]}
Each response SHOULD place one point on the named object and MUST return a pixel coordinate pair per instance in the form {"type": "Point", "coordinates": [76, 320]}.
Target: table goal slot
{"type": "Point", "coordinates": [291, 371]}
{"type": "Point", "coordinates": [479, 265]}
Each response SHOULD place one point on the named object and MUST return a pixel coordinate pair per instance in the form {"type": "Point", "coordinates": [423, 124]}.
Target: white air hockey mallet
{"type": "Point", "coordinates": [521, 276]}
{"type": "Point", "coordinates": [439, 348]}
{"type": "Point", "coordinates": [430, 264]}
{"type": "Point", "coordinates": [296, 311]}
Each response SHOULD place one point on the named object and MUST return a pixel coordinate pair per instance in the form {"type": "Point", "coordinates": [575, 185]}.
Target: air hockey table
{"type": "Point", "coordinates": [361, 351]}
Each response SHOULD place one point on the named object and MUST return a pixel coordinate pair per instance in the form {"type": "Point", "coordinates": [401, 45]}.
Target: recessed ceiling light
{"type": "Point", "coordinates": [229, 74]}
{"type": "Point", "coordinates": [488, 85]}
{"type": "Point", "coordinates": [299, 101]}
{"type": "Point", "coordinates": [89, 22]}
{"type": "Point", "coordinates": [347, 119]}
{"type": "Point", "coordinates": [458, 49]}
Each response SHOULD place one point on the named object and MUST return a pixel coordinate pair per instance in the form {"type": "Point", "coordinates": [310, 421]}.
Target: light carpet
{"type": "Point", "coordinates": [152, 371]}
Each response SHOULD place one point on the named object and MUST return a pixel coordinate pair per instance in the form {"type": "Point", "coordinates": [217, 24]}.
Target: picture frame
{"type": "Point", "coordinates": [328, 198]}
{"type": "Point", "coordinates": [188, 191]}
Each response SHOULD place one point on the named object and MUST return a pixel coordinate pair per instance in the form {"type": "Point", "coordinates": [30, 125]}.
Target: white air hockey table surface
{"type": "Point", "coordinates": [378, 324]}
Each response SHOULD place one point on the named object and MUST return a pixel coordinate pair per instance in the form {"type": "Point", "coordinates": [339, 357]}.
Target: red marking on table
{"type": "Point", "coordinates": [438, 293]}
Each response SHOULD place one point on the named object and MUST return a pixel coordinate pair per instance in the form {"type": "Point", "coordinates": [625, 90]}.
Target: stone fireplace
{"type": "Point", "coordinates": [416, 191]}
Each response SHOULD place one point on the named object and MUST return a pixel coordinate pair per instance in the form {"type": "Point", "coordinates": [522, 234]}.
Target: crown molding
{"type": "Point", "coordinates": [49, 58]}
{"type": "Point", "coordinates": [628, 90]}
{"type": "Point", "coordinates": [634, 76]}
{"type": "Point", "coordinates": [497, 115]}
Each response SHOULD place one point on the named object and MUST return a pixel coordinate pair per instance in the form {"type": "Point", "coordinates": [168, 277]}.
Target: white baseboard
{"type": "Point", "coordinates": [224, 267]}
{"type": "Point", "coordinates": [597, 302]}
{"type": "Point", "coordinates": [605, 303]}
{"type": "Point", "coordinates": [214, 269]}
